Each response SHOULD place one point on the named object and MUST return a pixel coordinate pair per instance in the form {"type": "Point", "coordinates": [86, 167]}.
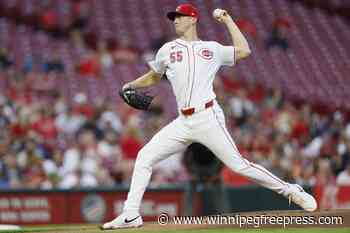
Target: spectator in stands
{"type": "Point", "coordinates": [111, 44]}
{"type": "Point", "coordinates": [130, 145]}
{"type": "Point", "coordinates": [343, 158]}
{"type": "Point", "coordinates": [49, 21]}
{"type": "Point", "coordinates": [19, 90]}
{"type": "Point", "coordinates": [275, 166]}
{"type": "Point", "coordinates": [53, 169]}
{"type": "Point", "coordinates": [6, 112]}
{"type": "Point", "coordinates": [308, 176]}
{"type": "Point", "coordinates": [279, 34]}
{"type": "Point", "coordinates": [111, 155]}
{"type": "Point", "coordinates": [344, 177]}
{"type": "Point", "coordinates": [80, 14]}
{"type": "Point", "coordinates": [44, 124]}
{"type": "Point", "coordinates": [11, 173]}
{"type": "Point", "coordinates": [106, 58]}
{"type": "Point", "coordinates": [34, 175]}
{"type": "Point", "coordinates": [54, 64]}
{"type": "Point", "coordinates": [324, 175]}
{"type": "Point", "coordinates": [90, 39]}
{"type": "Point", "coordinates": [28, 64]}
{"type": "Point", "coordinates": [295, 168]}
{"type": "Point", "coordinates": [109, 149]}
{"type": "Point", "coordinates": [109, 120]}
{"type": "Point", "coordinates": [5, 59]}
{"type": "Point", "coordinates": [240, 106]}
{"type": "Point", "coordinates": [285, 118]}
{"type": "Point", "coordinates": [31, 150]}
{"type": "Point", "coordinates": [81, 106]}
{"type": "Point", "coordinates": [68, 122]}
{"type": "Point", "coordinates": [347, 131]}
{"type": "Point", "coordinates": [81, 162]}
{"type": "Point", "coordinates": [43, 85]}
{"type": "Point", "coordinates": [3, 173]}
{"type": "Point", "coordinates": [89, 65]}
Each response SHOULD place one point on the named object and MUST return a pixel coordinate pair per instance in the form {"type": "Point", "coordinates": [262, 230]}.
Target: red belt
{"type": "Point", "coordinates": [190, 111]}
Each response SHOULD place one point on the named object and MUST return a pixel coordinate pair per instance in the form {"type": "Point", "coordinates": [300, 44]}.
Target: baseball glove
{"type": "Point", "coordinates": [136, 99]}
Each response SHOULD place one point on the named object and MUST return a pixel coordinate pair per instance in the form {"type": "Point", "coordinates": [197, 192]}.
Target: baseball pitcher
{"type": "Point", "coordinates": [191, 65]}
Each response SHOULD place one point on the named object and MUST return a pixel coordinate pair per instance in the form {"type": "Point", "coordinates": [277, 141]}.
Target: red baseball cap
{"type": "Point", "coordinates": [183, 9]}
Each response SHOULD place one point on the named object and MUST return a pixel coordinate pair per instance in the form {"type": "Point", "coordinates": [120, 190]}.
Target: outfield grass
{"type": "Point", "coordinates": [94, 229]}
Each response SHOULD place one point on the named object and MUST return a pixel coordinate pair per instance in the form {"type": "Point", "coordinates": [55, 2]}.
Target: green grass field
{"type": "Point", "coordinates": [94, 229]}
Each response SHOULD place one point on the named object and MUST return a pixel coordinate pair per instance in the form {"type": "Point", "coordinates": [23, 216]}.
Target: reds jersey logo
{"type": "Point", "coordinates": [206, 53]}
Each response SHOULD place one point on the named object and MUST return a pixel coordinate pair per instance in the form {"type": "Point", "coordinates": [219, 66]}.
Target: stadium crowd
{"type": "Point", "coordinates": [49, 142]}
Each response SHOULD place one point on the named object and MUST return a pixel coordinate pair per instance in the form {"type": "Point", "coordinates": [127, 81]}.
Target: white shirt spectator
{"type": "Point", "coordinates": [106, 60]}
{"type": "Point", "coordinates": [50, 167]}
{"type": "Point", "coordinates": [239, 105]}
{"type": "Point", "coordinates": [69, 123]}
{"type": "Point", "coordinates": [312, 150]}
{"type": "Point", "coordinates": [341, 148]}
{"type": "Point", "coordinates": [88, 180]}
{"type": "Point", "coordinates": [71, 161]}
{"type": "Point", "coordinates": [72, 180]}
{"type": "Point", "coordinates": [69, 181]}
{"type": "Point", "coordinates": [344, 178]}
{"type": "Point", "coordinates": [106, 150]}
{"type": "Point", "coordinates": [89, 162]}
{"type": "Point", "coordinates": [74, 162]}
{"type": "Point", "coordinates": [347, 131]}
{"type": "Point", "coordinates": [111, 118]}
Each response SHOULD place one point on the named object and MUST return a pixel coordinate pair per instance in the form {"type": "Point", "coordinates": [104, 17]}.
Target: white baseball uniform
{"type": "Point", "coordinates": [191, 68]}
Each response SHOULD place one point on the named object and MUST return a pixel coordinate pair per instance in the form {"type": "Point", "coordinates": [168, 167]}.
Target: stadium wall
{"type": "Point", "coordinates": [26, 207]}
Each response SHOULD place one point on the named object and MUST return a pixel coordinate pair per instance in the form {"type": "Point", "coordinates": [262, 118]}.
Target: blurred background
{"type": "Point", "coordinates": [63, 125]}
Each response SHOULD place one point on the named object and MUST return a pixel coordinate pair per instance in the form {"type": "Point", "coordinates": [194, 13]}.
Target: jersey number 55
{"type": "Point", "coordinates": [176, 56]}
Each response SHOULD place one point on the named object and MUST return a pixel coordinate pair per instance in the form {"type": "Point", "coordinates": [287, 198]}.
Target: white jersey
{"type": "Point", "coordinates": [191, 68]}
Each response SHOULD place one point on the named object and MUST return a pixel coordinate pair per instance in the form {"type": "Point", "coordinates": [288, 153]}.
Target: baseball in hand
{"type": "Point", "coordinates": [217, 13]}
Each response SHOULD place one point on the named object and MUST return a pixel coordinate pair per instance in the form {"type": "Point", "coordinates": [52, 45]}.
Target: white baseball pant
{"type": "Point", "coordinates": [208, 128]}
